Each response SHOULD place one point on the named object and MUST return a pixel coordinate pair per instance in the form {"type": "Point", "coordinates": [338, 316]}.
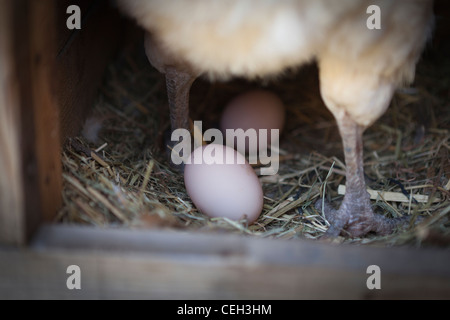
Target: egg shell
{"type": "Point", "coordinates": [221, 183]}
{"type": "Point", "coordinates": [257, 109]}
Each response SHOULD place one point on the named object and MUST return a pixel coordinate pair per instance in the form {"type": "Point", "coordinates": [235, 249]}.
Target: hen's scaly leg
{"type": "Point", "coordinates": [355, 217]}
{"type": "Point", "coordinates": [178, 84]}
{"type": "Point", "coordinates": [355, 213]}
{"type": "Point", "coordinates": [179, 79]}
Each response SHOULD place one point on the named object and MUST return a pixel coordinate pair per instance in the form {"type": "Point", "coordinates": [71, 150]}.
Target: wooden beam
{"type": "Point", "coordinates": [118, 263]}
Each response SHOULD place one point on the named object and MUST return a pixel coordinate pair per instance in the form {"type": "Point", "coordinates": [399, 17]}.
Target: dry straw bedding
{"type": "Point", "coordinates": [116, 173]}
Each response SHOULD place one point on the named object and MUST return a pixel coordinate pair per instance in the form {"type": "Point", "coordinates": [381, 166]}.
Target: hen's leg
{"type": "Point", "coordinates": [355, 217]}
{"type": "Point", "coordinates": [178, 84]}
{"type": "Point", "coordinates": [179, 79]}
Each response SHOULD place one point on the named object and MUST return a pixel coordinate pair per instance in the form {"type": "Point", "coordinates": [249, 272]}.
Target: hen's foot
{"type": "Point", "coordinates": [355, 218]}
{"type": "Point", "coordinates": [173, 159]}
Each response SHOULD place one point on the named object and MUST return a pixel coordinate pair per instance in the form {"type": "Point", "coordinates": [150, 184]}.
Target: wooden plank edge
{"type": "Point", "coordinates": [118, 263]}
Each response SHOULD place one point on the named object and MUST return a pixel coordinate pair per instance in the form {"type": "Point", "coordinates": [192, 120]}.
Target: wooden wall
{"type": "Point", "coordinates": [48, 81]}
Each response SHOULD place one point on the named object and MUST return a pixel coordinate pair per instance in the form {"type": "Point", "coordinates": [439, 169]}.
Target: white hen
{"type": "Point", "coordinates": [359, 67]}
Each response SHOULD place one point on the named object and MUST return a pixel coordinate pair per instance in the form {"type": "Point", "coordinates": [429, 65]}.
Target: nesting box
{"type": "Point", "coordinates": [49, 79]}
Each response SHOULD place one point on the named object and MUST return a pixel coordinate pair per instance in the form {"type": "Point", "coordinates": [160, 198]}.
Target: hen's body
{"type": "Point", "coordinates": [359, 68]}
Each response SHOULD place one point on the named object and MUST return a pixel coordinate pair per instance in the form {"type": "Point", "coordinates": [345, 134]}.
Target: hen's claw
{"type": "Point", "coordinates": [355, 217]}
{"type": "Point", "coordinates": [351, 222]}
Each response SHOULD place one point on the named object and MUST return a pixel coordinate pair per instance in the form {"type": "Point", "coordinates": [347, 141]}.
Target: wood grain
{"type": "Point", "coordinates": [34, 133]}
{"type": "Point", "coordinates": [11, 182]}
{"type": "Point", "coordinates": [130, 264]}
{"type": "Point", "coordinates": [49, 81]}
{"type": "Point", "coordinates": [82, 59]}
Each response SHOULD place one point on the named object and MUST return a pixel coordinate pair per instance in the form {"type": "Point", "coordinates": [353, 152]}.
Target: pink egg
{"type": "Point", "coordinates": [221, 183]}
{"type": "Point", "coordinates": [257, 109]}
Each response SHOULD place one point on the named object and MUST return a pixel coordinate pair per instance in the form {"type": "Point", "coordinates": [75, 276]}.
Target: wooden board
{"type": "Point", "coordinates": [49, 80]}
{"type": "Point", "coordinates": [20, 200]}
{"type": "Point", "coordinates": [11, 181]}
{"type": "Point", "coordinates": [82, 57]}
{"type": "Point", "coordinates": [177, 265]}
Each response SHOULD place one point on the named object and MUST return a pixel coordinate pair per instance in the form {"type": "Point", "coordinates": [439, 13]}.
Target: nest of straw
{"type": "Point", "coordinates": [116, 173]}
